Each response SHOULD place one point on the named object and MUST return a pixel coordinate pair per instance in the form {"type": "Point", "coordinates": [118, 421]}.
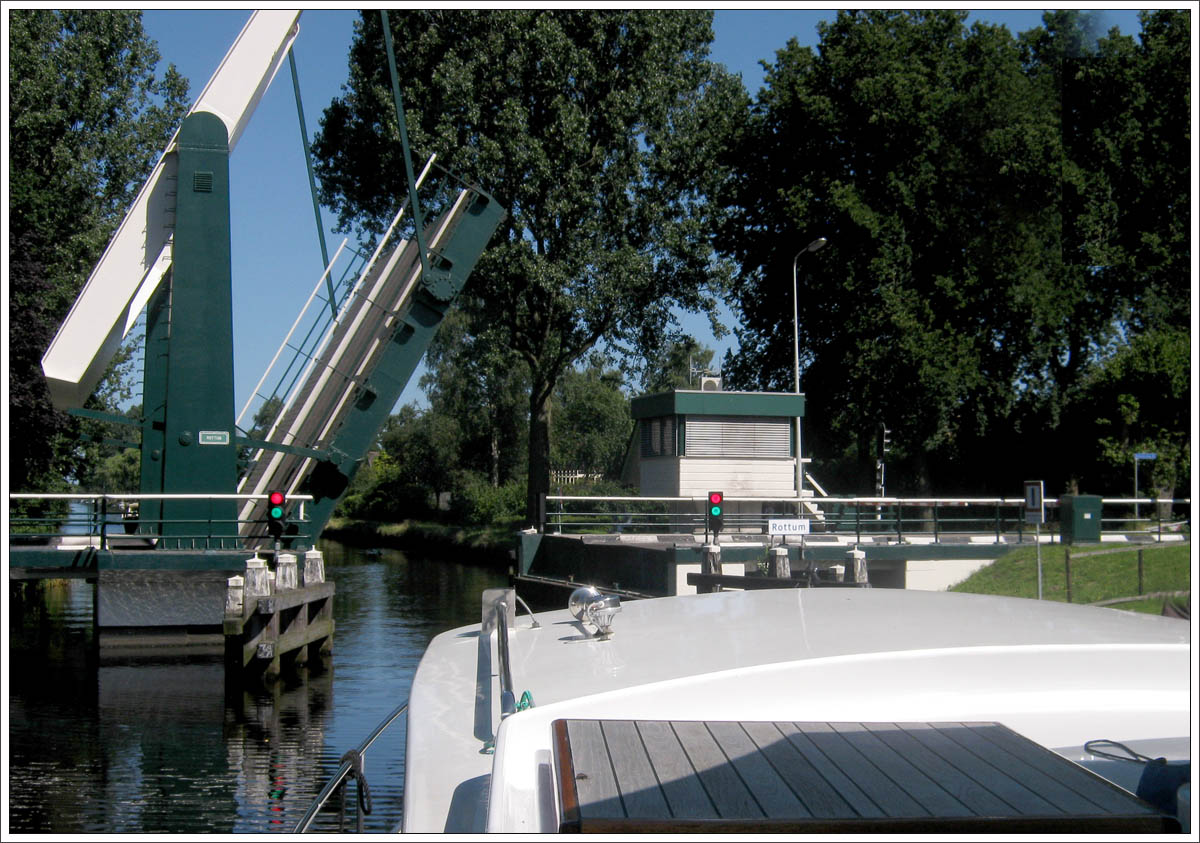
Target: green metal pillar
{"type": "Point", "coordinates": [198, 454]}
{"type": "Point", "coordinates": [154, 402]}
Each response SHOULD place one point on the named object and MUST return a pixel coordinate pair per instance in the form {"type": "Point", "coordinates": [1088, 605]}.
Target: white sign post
{"type": "Point", "coordinates": [1035, 514]}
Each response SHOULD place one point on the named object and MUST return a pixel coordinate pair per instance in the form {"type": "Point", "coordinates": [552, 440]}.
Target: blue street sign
{"type": "Point", "coordinates": [1145, 456]}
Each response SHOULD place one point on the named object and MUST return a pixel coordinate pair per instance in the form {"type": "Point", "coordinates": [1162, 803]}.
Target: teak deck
{"type": "Point", "coordinates": [619, 776]}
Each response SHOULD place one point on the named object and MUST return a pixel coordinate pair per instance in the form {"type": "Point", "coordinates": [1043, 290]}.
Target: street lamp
{"type": "Point", "coordinates": [811, 247]}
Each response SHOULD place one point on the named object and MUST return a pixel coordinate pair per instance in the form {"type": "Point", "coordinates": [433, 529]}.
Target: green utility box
{"type": "Point", "coordinates": [1080, 516]}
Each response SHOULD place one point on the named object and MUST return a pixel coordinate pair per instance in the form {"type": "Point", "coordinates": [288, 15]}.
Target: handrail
{"type": "Point", "coordinates": [875, 515]}
{"type": "Point", "coordinates": [508, 699]}
{"type": "Point", "coordinates": [497, 603]}
{"type": "Point", "coordinates": [344, 770]}
{"type": "Point", "coordinates": [209, 532]}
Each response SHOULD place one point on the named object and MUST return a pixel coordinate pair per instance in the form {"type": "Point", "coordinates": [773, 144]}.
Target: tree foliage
{"type": "Point", "coordinates": [88, 118]}
{"type": "Point", "coordinates": [1004, 215]}
{"type": "Point", "coordinates": [591, 423]}
{"type": "Point", "coordinates": [596, 130]}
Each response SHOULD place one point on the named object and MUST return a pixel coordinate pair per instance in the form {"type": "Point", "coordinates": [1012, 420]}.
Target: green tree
{"type": "Point", "coordinates": [968, 186]}
{"type": "Point", "coordinates": [1139, 401]}
{"type": "Point", "coordinates": [673, 366]}
{"type": "Point", "coordinates": [424, 446]}
{"type": "Point", "coordinates": [592, 423]}
{"type": "Point", "coordinates": [474, 379]}
{"type": "Point", "coordinates": [87, 120]}
{"type": "Point", "coordinates": [596, 130]}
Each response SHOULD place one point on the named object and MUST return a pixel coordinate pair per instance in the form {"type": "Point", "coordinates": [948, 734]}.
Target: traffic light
{"type": "Point", "coordinates": [715, 512]}
{"type": "Point", "coordinates": [885, 441]}
{"type": "Point", "coordinates": [276, 513]}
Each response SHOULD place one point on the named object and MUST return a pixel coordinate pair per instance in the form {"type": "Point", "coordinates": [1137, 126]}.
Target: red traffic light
{"type": "Point", "coordinates": [276, 498]}
{"type": "Point", "coordinates": [715, 497]}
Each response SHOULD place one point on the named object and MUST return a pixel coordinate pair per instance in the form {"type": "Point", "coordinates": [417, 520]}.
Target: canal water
{"type": "Point", "coordinates": [123, 747]}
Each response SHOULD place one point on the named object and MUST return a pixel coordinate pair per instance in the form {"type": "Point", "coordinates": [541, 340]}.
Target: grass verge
{"type": "Point", "coordinates": [1165, 567]}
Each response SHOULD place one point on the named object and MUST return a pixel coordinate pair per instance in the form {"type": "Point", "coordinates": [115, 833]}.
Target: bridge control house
{"type": "Point", "coordinates": [690, 441]}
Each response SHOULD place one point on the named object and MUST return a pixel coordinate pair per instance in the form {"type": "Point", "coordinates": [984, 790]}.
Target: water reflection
{"type": "Point", "coordinates": [170, 746]}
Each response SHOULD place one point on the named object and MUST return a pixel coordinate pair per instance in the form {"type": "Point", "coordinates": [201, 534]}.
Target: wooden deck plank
{"type": "Point", "coordinates": [846, 787]}
{"type": "Point", "coordinates": [1013, 791]}
{"type": "Point", "coordinates": [892, 800]}
{"type": "Point", "coordinates": [931, 796]}
{"type": "Point", "coordinates": [636, 782]}
{"type": "Point", "coordinates": [954, 778]}
{"type": "Point", "coordinates": [618, 777]}
{"type": "Point", "coordinates": [1062, 798]}
{"type": "Point", "coordinates": [724, 787]}
{"type": "Point", "coordinates": [770, 791]}
{"type": "Point", "coordinates": [1099, 791]}
{"type": "Point", "coordinates": [817, 794]}
{"type": "Point", "coordinates": [594, 779]}
{"type": "Point", "coordinates": [684, 794]}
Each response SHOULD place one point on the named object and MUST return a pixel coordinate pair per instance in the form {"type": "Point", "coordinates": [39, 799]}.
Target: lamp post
{"type": "Point", "coordinates": [811, 247]}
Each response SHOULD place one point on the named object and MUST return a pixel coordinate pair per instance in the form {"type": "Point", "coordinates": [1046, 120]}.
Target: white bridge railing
{"type": "Point", "coordinates": [95, 519]}
{"type": "Point", "coordinates": [872, 516]}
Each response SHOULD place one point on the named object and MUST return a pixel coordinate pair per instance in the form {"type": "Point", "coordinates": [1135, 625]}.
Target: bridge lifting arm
{"type": "Point", "coordinates": [140, 253]}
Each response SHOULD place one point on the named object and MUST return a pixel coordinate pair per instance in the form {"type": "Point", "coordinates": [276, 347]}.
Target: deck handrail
{"type": "Point", "coordinates": [347, 765]}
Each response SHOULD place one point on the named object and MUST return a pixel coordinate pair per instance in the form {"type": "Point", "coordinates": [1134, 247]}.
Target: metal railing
{"type": "Point", "coordinates": [352, 765]}
{"type": "Point", "coordinates": [96, 519]}
{"type": "Point", "coordinates": [872, 516]}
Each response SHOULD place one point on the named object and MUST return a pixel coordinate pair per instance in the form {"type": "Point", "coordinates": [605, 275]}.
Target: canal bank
{"type": "Point", "coordinates": [485, 546]}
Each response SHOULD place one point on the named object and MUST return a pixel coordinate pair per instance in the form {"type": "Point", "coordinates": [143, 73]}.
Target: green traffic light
{"type": "Point", "coordinates": [277, 512]}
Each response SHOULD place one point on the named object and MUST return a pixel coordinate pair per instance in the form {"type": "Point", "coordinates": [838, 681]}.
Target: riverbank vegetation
{"type": "Point", "coordinates": [1095, 577]}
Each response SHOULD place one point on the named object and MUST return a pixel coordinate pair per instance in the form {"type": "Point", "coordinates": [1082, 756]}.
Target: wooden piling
{"type": "Point", "coordinates": [275, 623]}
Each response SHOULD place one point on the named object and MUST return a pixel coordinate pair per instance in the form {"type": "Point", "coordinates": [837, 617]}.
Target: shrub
{"type": "Point", "coordinates": [476, 501]}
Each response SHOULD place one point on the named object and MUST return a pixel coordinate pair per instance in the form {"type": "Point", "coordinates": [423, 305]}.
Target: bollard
{"type": "Point", "coordinates": [258, 582]}
{"type": "Point", "coordinates": [234, 595]}
{"type": "Point", "coordinates": [710, 563]}
{"type": "Point", "coordinates": [856, 563]}
{"type": "Point", "coordinates": [285, 572]}
{"type": "Point", "coordinates": [314, 567]}
{"type": "Point", "coordinates": [779, 564]}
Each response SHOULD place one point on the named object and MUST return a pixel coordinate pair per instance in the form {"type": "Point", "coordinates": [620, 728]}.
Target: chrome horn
{"type": "Point", "coordinates": [589, 605]}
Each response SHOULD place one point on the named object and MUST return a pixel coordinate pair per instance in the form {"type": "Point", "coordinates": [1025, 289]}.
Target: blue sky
{"type": "Point", "coordinates": [276, 253]}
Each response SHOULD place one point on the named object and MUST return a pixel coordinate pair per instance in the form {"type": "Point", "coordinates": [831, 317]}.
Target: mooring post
{"type": "Point", "coordinates": [235, 595]}
{"type": "Point", "coordinates": [258, 583]}
{"type": "Point", "coordinates": [779, 564]}
{"type": "Point", "coordinates": [286, 574]}
{"type": "Point", "coordinates": [314, 567]}
{"type": "Point", "coordinates": [856, 562]}
{"type": "Point", "coordinates": [710, 563]}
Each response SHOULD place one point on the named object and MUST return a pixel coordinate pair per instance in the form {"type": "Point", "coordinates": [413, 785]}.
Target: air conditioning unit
{"type": "Point", "coordinates": [708, 383]}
